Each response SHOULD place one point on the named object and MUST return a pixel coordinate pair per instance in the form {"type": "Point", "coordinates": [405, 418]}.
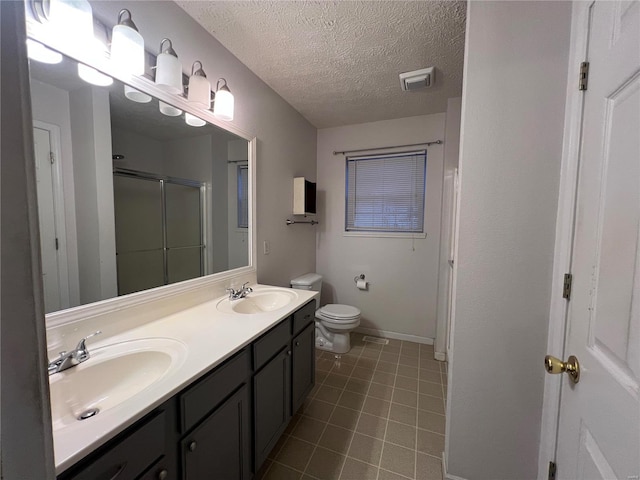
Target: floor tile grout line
{"type": "Point", "coordinates": [386, 425]}
{"type": "Point", "coordinates": [360, 414]}
{"type": "Point", "coordinates": [336, 358]}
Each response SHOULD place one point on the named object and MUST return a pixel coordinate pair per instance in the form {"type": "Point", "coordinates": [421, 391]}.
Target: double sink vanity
{"type": "Point", "coordinates": [204, 392]}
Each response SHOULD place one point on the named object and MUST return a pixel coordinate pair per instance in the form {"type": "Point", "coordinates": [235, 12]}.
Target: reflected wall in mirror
{"type": "Point", "coordinates": [130, 198]}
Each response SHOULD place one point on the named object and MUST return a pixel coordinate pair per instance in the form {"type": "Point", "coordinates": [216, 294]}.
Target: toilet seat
{"type": "Point", "coordinates": [337, 313]}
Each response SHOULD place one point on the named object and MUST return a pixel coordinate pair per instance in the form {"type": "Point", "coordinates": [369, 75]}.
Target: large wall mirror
{"type": "Point", "coordinates": [130, 198]}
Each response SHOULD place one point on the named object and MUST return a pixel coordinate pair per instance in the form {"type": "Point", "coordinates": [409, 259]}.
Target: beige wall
{"type": "Point", "coordinates": [403, 271]}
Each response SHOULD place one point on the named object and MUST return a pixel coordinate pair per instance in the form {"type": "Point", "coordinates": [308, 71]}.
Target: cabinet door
{"type": "Point", "coordinates": [220, 448]}
{"type": "Point", "coordinates": [272, 403]}
{"type": "Point", "coordinates": [303, 376]}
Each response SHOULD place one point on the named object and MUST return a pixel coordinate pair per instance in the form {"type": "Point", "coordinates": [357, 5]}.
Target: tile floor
{"type": "Point", "coordinates": [375, 413]}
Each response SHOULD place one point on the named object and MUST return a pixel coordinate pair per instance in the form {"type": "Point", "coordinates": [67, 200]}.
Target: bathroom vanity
{"type": "Point", "coordinates": [222, 423]}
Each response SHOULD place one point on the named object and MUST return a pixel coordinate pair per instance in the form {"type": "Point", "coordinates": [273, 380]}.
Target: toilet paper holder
{"type": "Point", "coordinates": [358, 277]}
{"type": "Point", "coordinates": [361, 283]}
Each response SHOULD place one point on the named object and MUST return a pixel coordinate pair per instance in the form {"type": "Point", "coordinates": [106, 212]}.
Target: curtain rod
{"type": "Point", "coordinates": [436, 142]}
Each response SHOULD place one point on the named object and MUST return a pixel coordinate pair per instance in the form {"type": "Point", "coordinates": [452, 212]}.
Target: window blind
{"type": "Point", "coordinates": [385, 193]}
{"type": "Point", "coordinates": [243, 196]}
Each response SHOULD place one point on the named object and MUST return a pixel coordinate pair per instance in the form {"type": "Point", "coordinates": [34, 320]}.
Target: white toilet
{"type": "Point", "coordinates": [334, 322]}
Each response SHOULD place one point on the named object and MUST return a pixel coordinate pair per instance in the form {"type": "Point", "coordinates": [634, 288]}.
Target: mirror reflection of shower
{"type": "Point", "coordinates": [129, 198]}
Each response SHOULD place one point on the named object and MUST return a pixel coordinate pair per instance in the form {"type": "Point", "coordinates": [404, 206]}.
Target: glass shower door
{"type": "Point", "coordinates": [184, 232]}
{"type": "Point", "coordinates": [139, 233]}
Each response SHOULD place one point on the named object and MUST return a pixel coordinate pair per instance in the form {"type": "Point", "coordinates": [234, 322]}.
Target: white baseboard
{"type": "Point", "coordinates": [441, 356]}
{"type": "Point", "coordinates": [397, 336]}
{"type": "Point", "coordinates": [445, 475]}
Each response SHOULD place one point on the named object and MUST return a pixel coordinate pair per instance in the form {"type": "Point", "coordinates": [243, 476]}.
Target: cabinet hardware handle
{"type": "Point", "coordinates": [308, 315]}
{"type": "Point", "coordinates": [288, 352]}
{"type": "Point", "coordinates": [297, 344]}
{"type": "Point", "coordinates": [120, 470]}
{"type": "Point", "coordinates": [163, 475]}
{"type": "Point", "coordinates": [193, 446]}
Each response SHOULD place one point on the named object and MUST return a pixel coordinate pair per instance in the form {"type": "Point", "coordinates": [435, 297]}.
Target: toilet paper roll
{"type": "Point", "coordinates": [362, 284]}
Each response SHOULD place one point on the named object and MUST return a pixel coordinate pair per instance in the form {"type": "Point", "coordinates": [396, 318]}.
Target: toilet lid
{"type": "Point", "coordinates": [339, 312]}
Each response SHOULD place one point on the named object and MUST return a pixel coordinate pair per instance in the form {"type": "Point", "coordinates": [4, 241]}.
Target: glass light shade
{"type": "Point", "coordinates": [199, 91]}
{"type": "Point", "coordinates": [127, 50]}
{"type": "Point", "coordinates": [169, 110]}
{"type": "Point", "coordinates": [71, 21]}
{"type": "Point", "coordinates": [169, 73]}
{"type": "Point", "coordinates": [136, 95]}
{"type": "Point", "coordinates": [40, 53]}
{"type": "Point", "coordinates": [223, 105]}
{"type": "Point", "coordinates": [93, 76]}
{"type": "Point", "coordinates": [193, 120]}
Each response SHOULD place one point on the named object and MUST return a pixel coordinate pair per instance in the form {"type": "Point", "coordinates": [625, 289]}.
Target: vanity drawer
{"type": "Point", "coordinates": [200, 399]}
{"type": "Point", "coordinates": [271, 343]}
{"type": "Point", "coordinates": [129, 457]}
{"type": "Point", "coordinates": [304, 316]}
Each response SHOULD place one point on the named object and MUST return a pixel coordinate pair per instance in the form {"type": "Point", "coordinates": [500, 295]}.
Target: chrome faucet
{"type": "Point", "coordinates": [71, 359]}
{"type": "Point", "coordinates": [241, 293]}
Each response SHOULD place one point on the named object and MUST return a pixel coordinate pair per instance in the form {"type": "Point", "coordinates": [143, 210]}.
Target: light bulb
{"type": "Point", "coordinates": [223, 104]}
{"type": "Point", "coordinates": [93, 76]}
{"type": "Point", "coordinates": [199, 87]}
{"type": "Point", "coordinates": [127, 46]}
{"type": "Point", "coordinates": [71, 21]}
{"type": "Point", "coordinates": [169, 69]}
{"type": "Point", "coordinates": [40, 53]}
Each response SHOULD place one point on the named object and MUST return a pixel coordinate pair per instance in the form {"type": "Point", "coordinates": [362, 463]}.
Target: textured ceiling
{"type": "Point", "coordinates": [337, 62]}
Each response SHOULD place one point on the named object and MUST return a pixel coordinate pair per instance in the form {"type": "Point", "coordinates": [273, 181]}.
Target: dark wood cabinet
{"type": "Point", "coordinates": [303, 368]}
{"type": "Point", "coordinates": [223, 425]}
{"type": "Point", "coordinates": [220, 447]}
{"type": "Point", "coordinates": [127, 456]}
{"type": "Point", "coordinates": [271, 403]}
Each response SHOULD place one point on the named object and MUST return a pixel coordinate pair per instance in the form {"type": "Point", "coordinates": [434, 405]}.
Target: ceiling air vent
{"type": "Point", "coordinates": [418, 79]}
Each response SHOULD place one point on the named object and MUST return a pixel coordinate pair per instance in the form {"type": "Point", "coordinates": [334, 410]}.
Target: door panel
{"type": "Point", "coordinates": [599, 428]}
{"type": "Point", "coordinates": [46, 218]}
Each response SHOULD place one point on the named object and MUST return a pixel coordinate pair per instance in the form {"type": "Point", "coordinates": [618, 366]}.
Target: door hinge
{"type": "Point", "coordinates": [584, 76]}
{"type": "Point", "coordinates": [566, 287]}
{"type": "Point", "coordinates": [52, 157]}
{"type": "Point", "coordinates": [552, 471]}
{"type": "Point", "coordinates": [57, 245]}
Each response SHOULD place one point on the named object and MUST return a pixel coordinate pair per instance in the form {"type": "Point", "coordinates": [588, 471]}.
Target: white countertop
{"type": "Point", "coordinates": [209, 336]}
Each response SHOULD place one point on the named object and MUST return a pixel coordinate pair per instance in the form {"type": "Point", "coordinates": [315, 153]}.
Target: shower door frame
{"type": "Point", "coordinates": [163, 180]}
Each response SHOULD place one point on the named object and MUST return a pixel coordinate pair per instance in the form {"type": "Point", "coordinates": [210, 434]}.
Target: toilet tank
{"type": "Point", "coordinates": [308, 281]}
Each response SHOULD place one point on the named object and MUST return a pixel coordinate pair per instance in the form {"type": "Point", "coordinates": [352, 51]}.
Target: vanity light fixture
{"type": "Point", "coordinates": [199, 87]}
{"type": "Point", "coordinates": [127, 45]}
{"type": "Point", "coordinates": [93, 76]}
{"type": "Point", "coordinates": [193, 120]}
{"type": "Point", "coordinates": [71, 22]}
{"type": "Point", "coordinates": [169, 110]}
{"type": "Point", "coordinates": [223, 103]}
{"type": "Point", "coordinates": [168, 68]}
{"type": "Point", "coordinates": [40, 53]}
{"type": "Point", "coordinates": [136, 95]}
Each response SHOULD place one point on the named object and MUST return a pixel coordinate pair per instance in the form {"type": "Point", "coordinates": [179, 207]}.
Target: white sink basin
{"type": "Point", "coordinates": [260, 301]}
{"type": "Point", "coordinates": [112, 375]}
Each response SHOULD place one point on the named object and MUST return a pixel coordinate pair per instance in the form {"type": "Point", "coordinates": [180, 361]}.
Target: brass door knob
{"type": "Point", "coordinates": [571, 366]}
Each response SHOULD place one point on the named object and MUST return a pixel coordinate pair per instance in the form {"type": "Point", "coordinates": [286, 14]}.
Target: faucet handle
{"type": "Point", "coordinates": [244, 287]}
{"type": "Point", "coordinates": [81, 349]}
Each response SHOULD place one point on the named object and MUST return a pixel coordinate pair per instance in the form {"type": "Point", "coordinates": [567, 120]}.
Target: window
{"type": "Point", "coordinates": [385, 193]}
{"type": "Point", "coordinates": [243, 196]}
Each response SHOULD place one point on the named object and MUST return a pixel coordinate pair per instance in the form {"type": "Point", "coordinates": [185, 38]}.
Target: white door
{"type": "Point", "coordinates": [599, 428]}
{"type": "Point", "coordinates": [51, 221]}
